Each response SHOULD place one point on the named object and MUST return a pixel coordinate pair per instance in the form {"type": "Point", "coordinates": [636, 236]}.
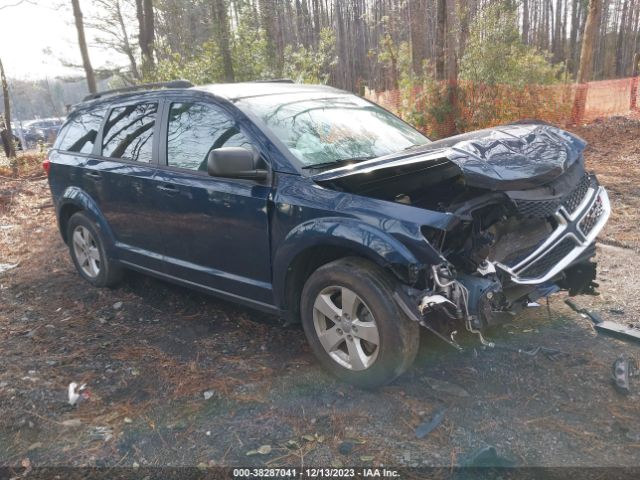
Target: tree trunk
{"type": "Point", "coordinates": [451, 43]}
{"type": "Point", "coordinates": [268, 21]}
{"type": "Point", "coordinates": [619, 43]}
{"type": "Point", "coordinates": [573, 36]}
{"type": "Point", "coordinates": [125, 42]}
{"type": "Point", "coordinates": [452, 68]}
{"type": "Point", "coordinates": [563, 33]}
{"type": "Point", "coordinates": [558, 41]}
{"type": "Point", "coordinates": [440, 38]}
{"type": "Point", "coordinates": [633, 104]}
{"type": "Point", "coordinates": [146, 34]}
{"type": "Point", "coordinates": [417, 18]}
{"type": "Point", "coordinates": [589, 39]}
{"type": "Point", "coordinates": [467, 12]}
{"type": "Point", "coordinates": [84, 51]}
{"type": "Point", "coordinates": [586, 58]}
{"type": "Point", "coordinates": [221, 30]}
{"type": "Point", "coordinates": [7, 138]}
{"type": "Point", "coordinates": [525, 22]}
{"type": "Point", "coordinates": [600, 44]}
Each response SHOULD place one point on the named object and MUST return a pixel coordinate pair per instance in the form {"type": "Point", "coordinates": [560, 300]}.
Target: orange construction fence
{"type": "Point", "coordinates": [443, 109]}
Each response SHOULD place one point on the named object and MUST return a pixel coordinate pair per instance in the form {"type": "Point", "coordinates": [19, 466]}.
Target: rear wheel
{"type": "Point", "coordinates": [354, 326]}
{"type": "Point", "coordinates": [86, 246]}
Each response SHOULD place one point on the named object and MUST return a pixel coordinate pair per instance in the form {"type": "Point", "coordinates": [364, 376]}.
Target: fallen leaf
{"type": "Point", "coordinates": [208, 394]}
{"type": "Point", "coordinates": [367, 458]}
{"type": "Point", "coordinates": [292, 445]}
{"type": "Point", "coordinates": [72, 422]}
{"type": "Point", "coordinates": [263, 450]}
{"type": "Point", "coordinates": [357, 441]}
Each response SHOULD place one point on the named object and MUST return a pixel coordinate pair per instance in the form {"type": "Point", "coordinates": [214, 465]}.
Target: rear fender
{"type": "Point", "coordinates": [81, 200]}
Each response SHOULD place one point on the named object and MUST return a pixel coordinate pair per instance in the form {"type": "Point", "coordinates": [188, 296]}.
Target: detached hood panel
{"type": "Point", "coordinates": [512, 157]}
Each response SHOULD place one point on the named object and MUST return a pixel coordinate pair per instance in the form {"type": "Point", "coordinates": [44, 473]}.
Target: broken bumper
{"type": "Point", "coordinates": [573, 235]}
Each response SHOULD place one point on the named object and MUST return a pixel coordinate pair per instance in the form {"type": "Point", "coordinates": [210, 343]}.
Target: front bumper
{"type": "Point", "coordinates": [573, 235]}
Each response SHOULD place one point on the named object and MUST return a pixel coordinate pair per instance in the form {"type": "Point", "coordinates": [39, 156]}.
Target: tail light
{"type": "Point", "coordinates": [46, 165]}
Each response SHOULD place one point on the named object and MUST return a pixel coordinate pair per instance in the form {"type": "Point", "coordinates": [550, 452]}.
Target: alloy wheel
{"type": "Point", "coordinates": [86, 251]}
{"type": "Point", "coordinates": [346, 328]}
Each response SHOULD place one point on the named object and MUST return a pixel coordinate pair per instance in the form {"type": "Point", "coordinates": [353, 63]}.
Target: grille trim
{"type": "Point", "coordinates": [580, 228]}
{"type": "Point", "coordinates": [544, 263]}
{"type": "Point", "coordinates": [546, 208]}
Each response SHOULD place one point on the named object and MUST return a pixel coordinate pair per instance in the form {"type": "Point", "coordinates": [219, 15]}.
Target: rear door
{"type": "Point", "coordinates": [125, 172]}
{"type": "Point", "coordinates": [215, 231]}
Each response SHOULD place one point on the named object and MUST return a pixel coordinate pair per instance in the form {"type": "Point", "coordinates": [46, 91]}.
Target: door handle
{"type": "Point", "coordinates": [93, 175]}
{"type": "Point", "coordinates": [168, 189]}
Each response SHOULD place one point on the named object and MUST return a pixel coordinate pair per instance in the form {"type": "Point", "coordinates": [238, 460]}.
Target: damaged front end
{"type": "Point", "coordinates": [527, 213]}
{"type": "Point", "coordinates": [510, 253]}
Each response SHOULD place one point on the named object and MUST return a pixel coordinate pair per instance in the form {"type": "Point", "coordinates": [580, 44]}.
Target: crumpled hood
{"type": "Point", "coordinates": [511, 157]}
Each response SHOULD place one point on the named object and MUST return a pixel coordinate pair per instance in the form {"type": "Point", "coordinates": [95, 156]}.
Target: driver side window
{"type": "Point", "coordinates": [197, 128]}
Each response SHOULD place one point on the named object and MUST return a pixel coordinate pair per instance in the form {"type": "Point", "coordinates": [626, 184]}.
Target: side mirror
{"type": "Point", "coordinates": [234, 162]}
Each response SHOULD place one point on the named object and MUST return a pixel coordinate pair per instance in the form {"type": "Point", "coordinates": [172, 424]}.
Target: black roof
{"type": "Point", "coordinates": [238, 91]}
{"type": "Point", "coordinates": [228, 91]}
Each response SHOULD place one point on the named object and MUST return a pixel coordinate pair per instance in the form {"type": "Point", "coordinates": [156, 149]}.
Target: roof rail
{"type": "Point", "coordinates": [275, 80]}
{"type": "Point", "coordinates": [143, 86]}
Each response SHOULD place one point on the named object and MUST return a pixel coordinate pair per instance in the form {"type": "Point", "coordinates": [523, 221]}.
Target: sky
{"type": "Point", "coordinates": [30, 27]}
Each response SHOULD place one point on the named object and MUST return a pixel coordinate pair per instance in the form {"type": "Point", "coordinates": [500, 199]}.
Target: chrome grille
{"type": "Point", "coordinates": [591, 218]}
{"type": "Point", "coordinates": [546, 262]}
{"type": "Point", "coordinates": [576, 230]}
{"type": "Point", "coordinates": [572, 201]}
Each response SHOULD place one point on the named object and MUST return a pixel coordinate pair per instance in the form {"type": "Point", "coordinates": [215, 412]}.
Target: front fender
{"type": "Point", "coordinates": [81, 200]}
{"type": "Point", "coordinates": [361, 238]}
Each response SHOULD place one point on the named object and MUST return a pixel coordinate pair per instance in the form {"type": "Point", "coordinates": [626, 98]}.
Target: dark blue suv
{"type": "Point", "coordinates": [316, 205]}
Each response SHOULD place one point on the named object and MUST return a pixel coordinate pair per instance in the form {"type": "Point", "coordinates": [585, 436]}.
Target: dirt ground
{"type": "Point", "coordinates": [178, 378]}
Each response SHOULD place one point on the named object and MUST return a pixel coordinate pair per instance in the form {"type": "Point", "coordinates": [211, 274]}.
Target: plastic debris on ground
{"type": "Point", "coordinates": [429, 426]}
{"type": "Point", "coordinates": [487, 457]}
{"type": "Point", "coordinates": [78, 394]}
{"type": "Point", "coordinates": [7, 266]}
{"type": "Point", "coordinates": [624, 368]}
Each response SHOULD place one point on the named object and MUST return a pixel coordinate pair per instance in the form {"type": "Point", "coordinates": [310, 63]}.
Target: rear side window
{"type": "Point", "coordinates": [80, 133]}
{"type": "Point", "coordinates": [197, 128]}
{"type": "Point", "coordinates": [128, 133]}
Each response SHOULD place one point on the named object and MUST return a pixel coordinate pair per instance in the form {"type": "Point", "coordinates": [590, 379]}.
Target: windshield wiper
{"type": "Point", "coordinates": [415, 145]}
{"type": "Point", "coordinates": [335, 163]}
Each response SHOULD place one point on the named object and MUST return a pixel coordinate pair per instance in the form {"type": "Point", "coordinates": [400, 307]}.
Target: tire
{"type": "Point", "coordinates": [339, 343]}
{"type": "Point", "coordinates": [86, 247]}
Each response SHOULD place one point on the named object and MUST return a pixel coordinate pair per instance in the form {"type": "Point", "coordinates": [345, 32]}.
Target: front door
{"type": "Point", "coordinates": [215, 231]}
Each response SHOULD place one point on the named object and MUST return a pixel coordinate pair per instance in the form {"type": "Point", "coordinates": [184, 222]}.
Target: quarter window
{"type": "Point", "coordinates": [197, 128]}
{"type": "Point", "coordinates": [128, 133]}
{"type": "Point", "coordinates": [81, 132]}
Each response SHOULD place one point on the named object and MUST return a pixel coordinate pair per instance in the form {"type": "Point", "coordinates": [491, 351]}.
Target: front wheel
{"type": "Point", "coordinates": [354, 326]}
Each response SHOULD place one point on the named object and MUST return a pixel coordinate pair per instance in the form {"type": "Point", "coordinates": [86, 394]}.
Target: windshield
{"type": "Point", "coordinates": [328, 131]}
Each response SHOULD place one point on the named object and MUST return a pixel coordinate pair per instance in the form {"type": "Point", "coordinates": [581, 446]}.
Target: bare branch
{"type": "Point", "coordinates": [18, 3]}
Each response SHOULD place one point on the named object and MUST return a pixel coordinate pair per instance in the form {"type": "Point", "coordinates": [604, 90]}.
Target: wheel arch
{"type": "Point", "coordinates": [75, 200]}
{"type": "Point", "coordinates": [316, 243]}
